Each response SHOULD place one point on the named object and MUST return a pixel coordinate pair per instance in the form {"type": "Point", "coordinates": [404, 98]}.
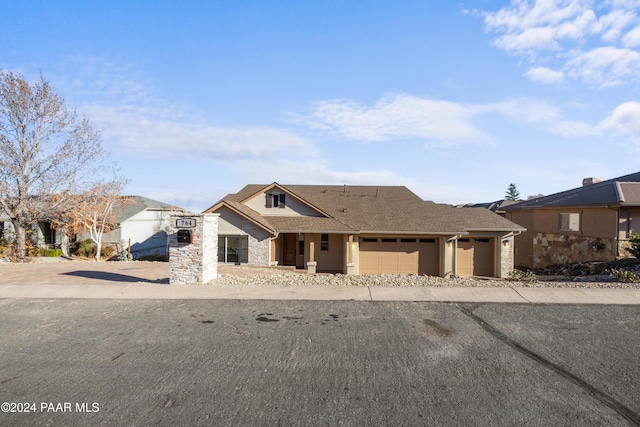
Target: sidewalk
{"type": "Point", "coordinates": [149, 281]}
{"type": "Point", "coordinates": [275, 292]}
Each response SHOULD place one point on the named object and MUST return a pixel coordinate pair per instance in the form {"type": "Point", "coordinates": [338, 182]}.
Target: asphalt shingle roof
{"type": "Point", "coordinates": [621, 191]}
{"type": "Point", "coordinates": [137, 204]}
{"type": "Point", "coordinates": [381, 209]}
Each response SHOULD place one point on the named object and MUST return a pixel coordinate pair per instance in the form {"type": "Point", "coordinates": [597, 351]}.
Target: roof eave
{"type": "Point", "coordinates": [228, 206]}
{"type": "Point", "coordinates": [501, 229]}
{"type": "Point", "coordinates": [413, 232]}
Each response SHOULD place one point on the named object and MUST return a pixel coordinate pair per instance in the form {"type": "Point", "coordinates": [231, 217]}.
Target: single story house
{"type": "Point", "coordinates": [142, 226]}
{"type": "Point", "coordinates": [587, 223]}
{"type": "Point", "coordinates": [41, 233]}
{"type": "Point", "coordinates": [360, 230]}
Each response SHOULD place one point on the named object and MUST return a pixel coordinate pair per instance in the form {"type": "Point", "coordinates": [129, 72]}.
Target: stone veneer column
{"type": "Point", "coordinates": [197, 262]}
{"type": "Point", "coordinates": [506, 255]}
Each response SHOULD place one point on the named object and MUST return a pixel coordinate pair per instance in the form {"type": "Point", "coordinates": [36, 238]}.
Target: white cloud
{"type": "Point", "coordinates": [140, 133]}
{"type": "Point", "coordinates": [605, 66]}
{"type": "Point", "coordinates": [612, 24]}
{"type": "Point", "coordinates": [397, 117]}
{"type": "Point", "coordinates": [545, 76]}
{"type": "Point", "coordinates": [526, 110]}
{"type": "Point", "coordinates": [624, 120]}
{"type": "Point", "coordinates": [586, 40]}
{"type": "Point", "coordinates": [632, 38]}
{"type": "Point", "coordinates": [436, 123]}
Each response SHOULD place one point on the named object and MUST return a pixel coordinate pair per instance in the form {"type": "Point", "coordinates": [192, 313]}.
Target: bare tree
{"type": "Point", "coordinates": [46, 153]}
{"type": "Point", "coordinates": [95, 210]}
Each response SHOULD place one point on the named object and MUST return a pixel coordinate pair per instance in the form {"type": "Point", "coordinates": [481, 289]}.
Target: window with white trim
{"type": "Point", "coordinates": [569, 222]}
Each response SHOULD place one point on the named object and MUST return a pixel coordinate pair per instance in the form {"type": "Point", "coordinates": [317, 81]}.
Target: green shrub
{"type": "Point", "coordinates": [624, 276]}
{"type": "Point", "coordinates": [634, 239]}
{"type": "Point", "coordinates": [53, 252]}
{"type": "Point", "coordinates": [107, 251]}
{"type": "Point", "coordinates": [525, 276]}
{"type": "Point", "coordinates": [87, 249]}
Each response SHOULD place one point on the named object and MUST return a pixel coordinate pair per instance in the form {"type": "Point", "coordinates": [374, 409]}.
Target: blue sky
{"type": "Point", "coordinates": [455, 100]}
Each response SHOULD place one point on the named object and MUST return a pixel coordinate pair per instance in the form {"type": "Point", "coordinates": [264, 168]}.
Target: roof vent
{"type": "Point", "coordinates": [590, 181]}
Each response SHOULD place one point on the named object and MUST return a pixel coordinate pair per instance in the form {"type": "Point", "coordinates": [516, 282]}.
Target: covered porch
{"type": "Point", "coordinates": [315, 252]}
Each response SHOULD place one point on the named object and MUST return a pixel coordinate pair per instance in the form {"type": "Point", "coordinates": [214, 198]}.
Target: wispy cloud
{"type": "Point", "coordinates": [396, 117]}
{"type": "Point", "coordinates": [545, 76]}
{"type": "Point", "coordinates": [436, 123]}
{"type": "Point", "coordinates": [142, 133]}
{"type": "Point", "coordinates": [596, 42]}
{"type": "Point", "coordinates": [138, 123]}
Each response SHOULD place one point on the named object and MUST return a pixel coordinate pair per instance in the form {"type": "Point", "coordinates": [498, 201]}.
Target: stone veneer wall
{"type": "Point", "coordinates": [551, 249]}
{"type": "Point", "coordinates": [197, 262]}
{"type": "Point", "coordinates": [507, 256]}
{"type": "Point", "coordinates": [259, 244]}
{"type": "Point", "coordinates": [623, 249]}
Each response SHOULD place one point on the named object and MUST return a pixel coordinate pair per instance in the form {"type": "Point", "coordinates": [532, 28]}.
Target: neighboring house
{"type": "Point", "coordinates": [497, 206]}
{"type": "Point", "coordinates": [142, 225]}
{"type": "Point", "coordinates": [41, 234]}
{"type": "Point", "coordinates": [360, 230]}
{"type": "Point", "coordinates": [588, 223]}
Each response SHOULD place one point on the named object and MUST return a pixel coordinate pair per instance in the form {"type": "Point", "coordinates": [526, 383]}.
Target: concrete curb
{"type": "Point", "coordinates": [325, 293]}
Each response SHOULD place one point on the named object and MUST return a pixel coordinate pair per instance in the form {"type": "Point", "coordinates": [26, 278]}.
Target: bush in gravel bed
{"type": "Point", "coordinates": [625, 276]}
{"type": "Point", "coordinates": [634, 239]}
{"type": "Point", "coordinates": [525, 276]}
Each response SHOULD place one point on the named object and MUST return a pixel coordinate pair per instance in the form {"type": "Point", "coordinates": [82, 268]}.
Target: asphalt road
{"type": "Point", "coordinates": [317, 363]}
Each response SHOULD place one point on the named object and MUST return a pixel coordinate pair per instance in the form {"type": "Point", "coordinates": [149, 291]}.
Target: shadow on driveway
{"type": "Point", "coordinates": [113, 277]}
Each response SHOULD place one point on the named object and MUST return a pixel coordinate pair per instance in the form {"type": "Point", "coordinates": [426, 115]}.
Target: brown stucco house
{"type": "Point", "coordinates": [360, 230]}
{"type": "Point", "coordinates": [588, 223]}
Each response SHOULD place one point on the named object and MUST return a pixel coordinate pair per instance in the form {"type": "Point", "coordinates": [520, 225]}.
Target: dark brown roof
{"type": "Point", "coordinates": [373, 209]}
{"type": "Point", "coordinates": [621, 191]}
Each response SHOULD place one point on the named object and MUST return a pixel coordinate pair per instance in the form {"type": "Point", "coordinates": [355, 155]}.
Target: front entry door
{"type": "Point", "coordinates": [289, 249]}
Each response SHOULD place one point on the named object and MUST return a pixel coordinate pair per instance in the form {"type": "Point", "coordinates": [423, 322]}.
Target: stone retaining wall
{"type": "Point", "coordinates": [552, 249]}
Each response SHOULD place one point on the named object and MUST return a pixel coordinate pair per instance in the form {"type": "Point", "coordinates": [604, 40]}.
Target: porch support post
{"type": "Point", "coordinates": [351, 266]}
{"type": "Point", "coordinates": [272, 255]}
{"type": "Point", "coordinates": [312, 265]}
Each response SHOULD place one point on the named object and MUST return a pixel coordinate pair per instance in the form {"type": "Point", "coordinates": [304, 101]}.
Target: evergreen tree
{"type": "Point", "coordinates": [512, 193]}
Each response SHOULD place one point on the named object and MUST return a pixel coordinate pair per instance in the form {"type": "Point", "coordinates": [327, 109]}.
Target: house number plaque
{"type": "Point", "coordinates": [185, 223]}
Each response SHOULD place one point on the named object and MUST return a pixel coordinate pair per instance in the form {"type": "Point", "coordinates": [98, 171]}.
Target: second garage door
{"type": "Point", "coordinates": [475, 257]}
{"type": "Point", "coordinates": [399, 256]}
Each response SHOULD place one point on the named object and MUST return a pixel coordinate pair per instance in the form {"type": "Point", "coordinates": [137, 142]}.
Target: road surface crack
{"type": "Point", "coordinates": [620, 408]}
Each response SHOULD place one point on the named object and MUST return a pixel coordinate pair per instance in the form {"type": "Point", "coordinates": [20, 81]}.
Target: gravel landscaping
{"type": "Point", "coordinates": [271, 276]}
{"type": "Point", "coordinates": [587, 275]}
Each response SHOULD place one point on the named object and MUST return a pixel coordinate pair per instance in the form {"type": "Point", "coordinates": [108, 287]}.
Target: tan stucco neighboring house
{"type": "Point", "coordinates": [587, 223]}
{"type": "Point", "coordinates": [360, 230]}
